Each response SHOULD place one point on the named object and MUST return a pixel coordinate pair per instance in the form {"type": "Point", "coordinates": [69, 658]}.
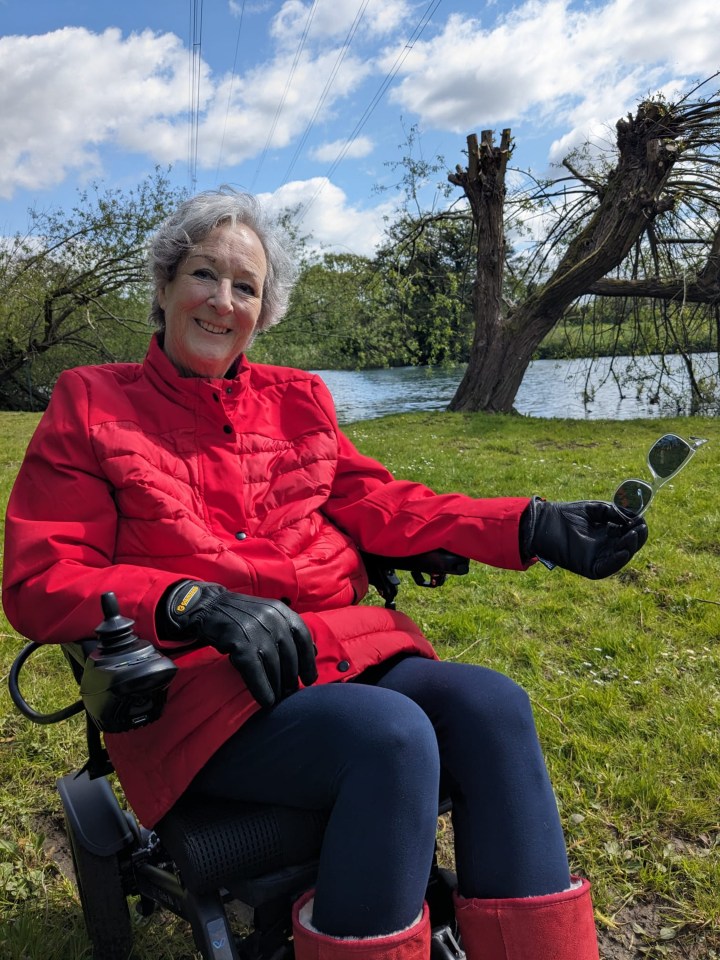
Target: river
{"type": "Point", "coordinates": [575, 389]}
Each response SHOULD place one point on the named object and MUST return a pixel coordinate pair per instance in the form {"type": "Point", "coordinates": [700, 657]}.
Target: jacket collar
{"type": "Point", "coordinates": [191, 391]}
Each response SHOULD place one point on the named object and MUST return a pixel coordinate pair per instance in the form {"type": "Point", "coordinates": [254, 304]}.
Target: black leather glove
{"type": "Point", "coordinates": [268, 644]}
{"type": "Point", "coordinates": [589, 537]}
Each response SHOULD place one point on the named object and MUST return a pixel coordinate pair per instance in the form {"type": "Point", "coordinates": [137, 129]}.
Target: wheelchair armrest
{"type": "Point", "coordinates": [436, 564]}
{"type": "Point", "coordinates": [76, 654]}
{"type": "Point", "coordinates": [431, 562]}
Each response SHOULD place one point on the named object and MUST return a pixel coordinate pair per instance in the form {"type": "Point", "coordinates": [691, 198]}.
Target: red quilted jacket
{"type": "Point", "coordinates": [137, 477]}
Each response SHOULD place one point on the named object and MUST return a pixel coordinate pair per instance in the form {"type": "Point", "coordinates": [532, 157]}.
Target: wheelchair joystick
{"type": "Point", "coordinates": [115, 632]}
{"type": "Point", "coordinates": [125, 680]}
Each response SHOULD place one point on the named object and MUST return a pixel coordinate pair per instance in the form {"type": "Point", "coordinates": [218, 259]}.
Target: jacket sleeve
{"type": "Point", "coordinates": [60, 534]}
{"type": "Point", "coordinates": [398, 518]}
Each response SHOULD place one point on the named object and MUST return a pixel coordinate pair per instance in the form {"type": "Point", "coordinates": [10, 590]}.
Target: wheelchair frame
{"type": "Point", "coordinates": [205, 853]}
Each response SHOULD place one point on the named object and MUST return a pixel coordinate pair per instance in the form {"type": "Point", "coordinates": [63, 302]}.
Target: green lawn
{"type": "Point", "coordinates": [623, 675]}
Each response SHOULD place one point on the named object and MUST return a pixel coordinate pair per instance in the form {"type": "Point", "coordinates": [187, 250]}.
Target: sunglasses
{"type": "Point", "coordinates": [666, 457]}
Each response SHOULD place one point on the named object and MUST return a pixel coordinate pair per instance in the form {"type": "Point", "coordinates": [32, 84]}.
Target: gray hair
{"type": "Point", "coordinates": [190, 224]}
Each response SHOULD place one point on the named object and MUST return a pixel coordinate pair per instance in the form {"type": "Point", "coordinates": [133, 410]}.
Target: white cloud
{"type": "Point", "coordinates": [328, 152]}
{"type": "Point", "coordinates": [553, 63]}
{"type": "Point", "coordinates": [332, 221]}
{"type": "Point", "coordinates": [593, 118]}
{"type": "Point", "coordinates": [242, 128]}
{"type": "Point", "coordinates": [560, 68]}
{"type": "Point", "coordinates": [238, 9]}
{"type": "Point", "coordinates": [66, 93]}
{"type": "Point", "coordinates": [334, 20]}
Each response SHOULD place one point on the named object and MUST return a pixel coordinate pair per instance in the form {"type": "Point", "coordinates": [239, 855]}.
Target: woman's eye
{"type": "Point", "coordinates": [202, 273]}
{"type": "Point", "coordinates": [245, 288]}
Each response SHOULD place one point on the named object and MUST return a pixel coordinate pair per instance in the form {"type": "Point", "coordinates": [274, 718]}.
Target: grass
{"type": "Point", "coordinates": [623, 674]}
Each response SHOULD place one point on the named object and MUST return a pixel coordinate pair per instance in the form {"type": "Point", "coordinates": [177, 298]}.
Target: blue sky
{"type": "Point", "coordinates": [306, 103]}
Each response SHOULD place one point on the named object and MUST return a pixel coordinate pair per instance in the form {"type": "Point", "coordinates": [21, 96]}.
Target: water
{"type": "Point", "coordinates": [551, 388]}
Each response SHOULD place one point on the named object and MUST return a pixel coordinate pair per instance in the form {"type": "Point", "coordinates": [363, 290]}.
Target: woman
{"type": "Point", "coordinates": [225, 508]}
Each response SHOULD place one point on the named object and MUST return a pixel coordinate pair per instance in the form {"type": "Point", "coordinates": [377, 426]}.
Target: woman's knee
{"type": "Point", "coordinates": [395, 731]}
{"type": "Point", "coordinates": [495, 704]}
{"type": "Point", "coordinates": [469, 703]}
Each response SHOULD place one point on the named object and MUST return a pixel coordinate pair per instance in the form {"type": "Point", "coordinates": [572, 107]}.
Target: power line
{"type": "Point", "coordinates": [293, 68]}
{"type": "Point", "coordinates": [326, 90]}
{"type": "Point", "coordinates": [195, 51]}
{"type": "Point", "coordinates": [389, 77]}
{"type": "Point", "coordinates": [232, 81]}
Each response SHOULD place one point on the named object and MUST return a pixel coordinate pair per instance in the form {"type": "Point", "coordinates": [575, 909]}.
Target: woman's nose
{"type": "Point", "coordinates": [221, 297]}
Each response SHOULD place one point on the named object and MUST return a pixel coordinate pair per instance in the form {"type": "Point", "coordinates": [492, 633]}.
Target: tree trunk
{"type": "Point", "coordinates": [484, 186]}
{"type": "Point", "coordinates": [506, 338]}
{"type": "Point", "coordinates": [703, 288]}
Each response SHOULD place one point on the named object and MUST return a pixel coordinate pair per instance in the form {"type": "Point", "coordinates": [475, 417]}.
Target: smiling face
{"type": "Point", "coordinates": [213, 303]}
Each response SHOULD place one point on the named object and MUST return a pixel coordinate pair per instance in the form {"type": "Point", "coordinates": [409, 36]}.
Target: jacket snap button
{"type": "Point", "coordinates": [227, 428]}
{"type": "Point", "coordinates": [343, 666]}
{"type": "Point", "coordinates": [240, 535]}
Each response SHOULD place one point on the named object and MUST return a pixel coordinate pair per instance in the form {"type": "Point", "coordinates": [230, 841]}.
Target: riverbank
{"type": "Point", "coordinates": [623, 675]}
{"type": "Point", "coordinates": [571, 339]}
{"type": "Point", "coordinates": [617, 388]}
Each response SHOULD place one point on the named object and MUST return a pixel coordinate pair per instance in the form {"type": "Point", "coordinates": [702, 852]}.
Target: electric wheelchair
{"type": "Point", "coordinates": [204, 853]}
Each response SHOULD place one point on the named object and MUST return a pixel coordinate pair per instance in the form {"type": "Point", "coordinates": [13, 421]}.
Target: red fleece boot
{"type": "Point", "coordinates": [310, 944]}
{"type": "Point", "coordinates": [555, 927]}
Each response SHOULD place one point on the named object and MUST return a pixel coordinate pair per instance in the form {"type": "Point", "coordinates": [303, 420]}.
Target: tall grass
{"type": "Point", "coordinates": [623, 675]}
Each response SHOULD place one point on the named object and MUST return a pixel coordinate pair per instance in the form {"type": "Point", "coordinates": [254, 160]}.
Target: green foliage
{"type": "Point", "coordinates": [604, 327]}
{"type": "Point", "coordinates": [74, 288]}
{"type": "Point", "coordinates": [332, 322]}
{"type": "Point", "coordinates": [427, 266]}
{"type": "Point", "coordinates": [409, 305]}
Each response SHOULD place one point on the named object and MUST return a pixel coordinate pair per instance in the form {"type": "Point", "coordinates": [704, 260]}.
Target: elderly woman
{"type": "Point", "coordinates": [223, 505]}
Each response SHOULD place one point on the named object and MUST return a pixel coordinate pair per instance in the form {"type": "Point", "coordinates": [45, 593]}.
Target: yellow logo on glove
{"type": "Point", "coordinates": [182, 606]}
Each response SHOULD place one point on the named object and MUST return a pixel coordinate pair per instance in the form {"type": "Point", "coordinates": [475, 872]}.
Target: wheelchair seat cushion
{"type": "Point", "coordinates": [216, 842]}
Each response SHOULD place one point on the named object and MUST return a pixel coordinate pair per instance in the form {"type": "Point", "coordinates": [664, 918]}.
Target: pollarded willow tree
{"type": "Point", "coordinates": [645, 227]}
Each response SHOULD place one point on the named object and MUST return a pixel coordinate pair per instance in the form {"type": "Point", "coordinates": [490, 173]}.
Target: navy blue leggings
{"type": "Point", "coordinates": [378, 756]}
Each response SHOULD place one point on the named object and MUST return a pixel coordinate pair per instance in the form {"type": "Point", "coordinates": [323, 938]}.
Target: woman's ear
{"type": "Point", "coordinates": [161, 298]}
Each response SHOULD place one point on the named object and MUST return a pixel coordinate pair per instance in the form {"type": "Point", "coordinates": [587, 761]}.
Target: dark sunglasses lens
{"type": "Point", "coordinates": [633, 497]}
{"type": "Point", "coordinates": [667, 455]}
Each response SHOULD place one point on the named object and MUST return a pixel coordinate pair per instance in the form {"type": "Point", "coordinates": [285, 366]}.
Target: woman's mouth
{"type": "Point", "coordinates": [211, 328]}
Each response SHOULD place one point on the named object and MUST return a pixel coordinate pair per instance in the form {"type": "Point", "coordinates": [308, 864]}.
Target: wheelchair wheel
{"type": "Point", "coordinates": [103, 900]}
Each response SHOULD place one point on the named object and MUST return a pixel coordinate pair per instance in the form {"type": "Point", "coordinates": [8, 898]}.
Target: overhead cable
{"type": "Point", "coordinates": [229, 99]}
{"type": "Point", "coordinates": [326, 89]}
{"type": "Point", "coordinates": [389, 77]}
{"type": "Point", "coordinates": [289, 80]}
{"type": "Point", "coordinates": [195, 51]}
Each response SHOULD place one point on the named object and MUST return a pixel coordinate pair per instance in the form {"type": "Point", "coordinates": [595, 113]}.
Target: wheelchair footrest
{"type": "Point", "coordinates": [444, 946]}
